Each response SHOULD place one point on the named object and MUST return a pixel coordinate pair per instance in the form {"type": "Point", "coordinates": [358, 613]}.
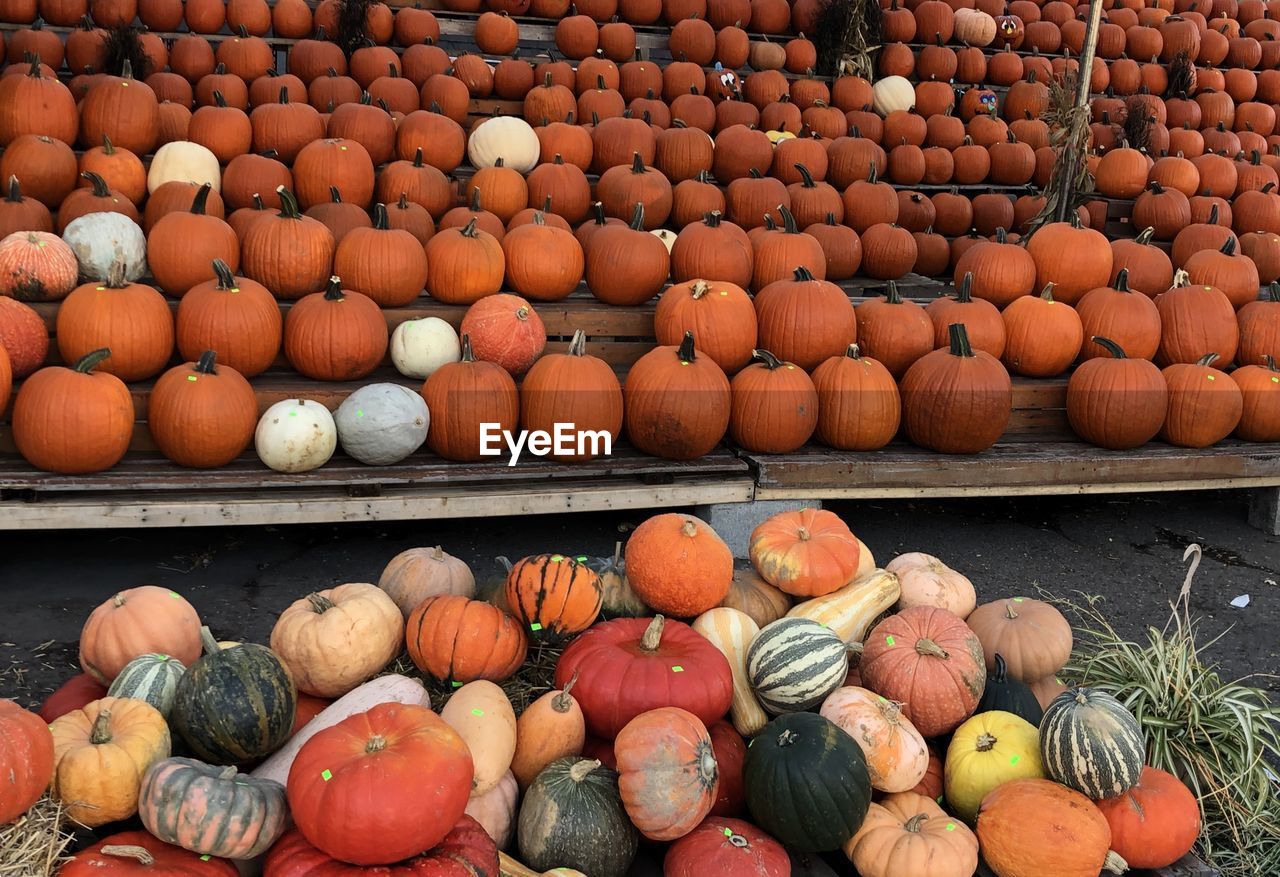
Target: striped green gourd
{"type": "Point", "coordinates": [1091, 743]}
{"type": "Point", "coordinates": [152, 677]}
{"type": "Point", "coordinates": [794, 663]}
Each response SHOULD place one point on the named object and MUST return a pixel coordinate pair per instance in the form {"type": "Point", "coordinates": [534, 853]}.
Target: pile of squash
{"type": "Point", "coordinates": [717, 721]}
{"type": "Point", "coordinates": [201, 172]}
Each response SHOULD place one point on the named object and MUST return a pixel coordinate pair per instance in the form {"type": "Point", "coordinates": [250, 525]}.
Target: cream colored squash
{"type": "Point", "coordinates": [509, 138]}
{"type": "Point", "coordinates": [893, 93]}
{"type": "Point", "coordinates": [495, 810]}
{"type": "Point", "coordinates": [185, 162]}
{"type": "Point", "coordinates": [418, 573]}
{"type": "Point", "coordinates": [295, 435]}
{"type": "Point", "coordinates": [99, 240]}
{"type": "Point", "coordinates": [668, 238]}
{"type": "Point", "coordinates": [897, 757]}
{"type": "Point", "coordinates": [732, 631]}
{"type": "Point", "coordinates": [482, 715]}
{"type": "Point", "coordinates": [850, 611]}
{"type": "Point", "coordinates": [927, 581]}
{"type": "Point", "coordinates": [988, 750]}
{"type": "Point", "coordinates": [381, 424]}
{"type": "Point", "coordinates": [866, 560]}
{"type": "Point", "coordinates": [511, 868]}
{"type": "Point", "coordinates": [419, 347]}
{"type": "Point", "coordinates": [391, 688]}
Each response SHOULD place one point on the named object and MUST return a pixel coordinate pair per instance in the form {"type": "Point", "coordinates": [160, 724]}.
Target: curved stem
{"type": "Point", "coordinates": [771, 362]}
{"type": "Point", "coordinates": [578, 344]}
{"type": "Point", "coordinates": [380, 217]}
{"type": "Point", "coordinates": [653, 634]}
{"type": "Point", "coordinates": [226, 280]}
{"type": "Point", "coordinates": [959, 338]}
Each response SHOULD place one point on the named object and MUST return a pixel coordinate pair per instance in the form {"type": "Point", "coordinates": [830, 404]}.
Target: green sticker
{"type": "Point", "coordinates": [677, 669]}
{"type": "Point", "coordinates": [477, 712]}
{"type": "Point", "coordinates": [457, 684]}
{"type": "Point", "coordinates": [174, 595]}
{"type": "Point", "coordinates": [556, 558]}
{"type": "Point", "coordinates": [1018, 599]}
{"type": "Point", "coordinates": [359, 412]}
{"type": "Point", "coordinates": [951, 826]}
{"type": "Point", "coordinates": [728, 832]}
{"type": "Point", "coordinates": [293, 413]}
{"type": "Point", "coordinates": [888, 640]}
{"type": "Point", "coordinates": [191, 378]}
{"type": "Point", "coordinates": [326, 775]}
{"type": "Point", "coordinates": [582, 558]}
{"type": "Point", "coordinates": [535, 627]}
{"type": "Point", "coordinates": [1014, 760]}
{"type": "Point", "coordinates": [1211, 377]}
{"type": "Point", "coordinates": [204, 858]}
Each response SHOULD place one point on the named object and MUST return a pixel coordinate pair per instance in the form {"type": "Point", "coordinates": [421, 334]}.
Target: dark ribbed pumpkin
{"type": "Point", "coordinates": [211, 810]}
{"type": "Point", "coordinates": [1009, 695]}
{"type": "Point", "coordinates": [1091, 743]}
{"type": "Point", "coordinates": [800, 758]}
{"type": "Point", "coordinates": [572, 817]}
{"type": "Point", "coordinates": [234, 705]}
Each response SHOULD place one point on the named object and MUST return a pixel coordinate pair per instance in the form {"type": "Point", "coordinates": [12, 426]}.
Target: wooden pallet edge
{"type": "Point", "coordinates": [1075, 488]}
{"type": "Point", "coordinates": [203, 508]}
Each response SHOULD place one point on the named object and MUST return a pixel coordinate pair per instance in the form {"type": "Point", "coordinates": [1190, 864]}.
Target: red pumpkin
{"type": "Point", "coordinates": [929, 660]}
{"type": "Point", "coordinates": [348, 784]}
{"type": "Point", "coordinates": [505, 329]}
{"type": "Point", "coordinates": [1155, 823]}
{"type": "Point", "coordinates": [722, 847]}
{"type": "Point", "coordinates": [629, 666]}
{"type": "Point", "coordinates": [132, 853]}
{"type": "Point", "coordinates": [731, 754]}
{"type": "Point", "coordinates": [467, 849]}
{"type": "Point", "coordinates": [77, 692]}
{"type": "Point", "coordinates": [667, 774]}
{"type": "Point", "coordinates": [26, 760]}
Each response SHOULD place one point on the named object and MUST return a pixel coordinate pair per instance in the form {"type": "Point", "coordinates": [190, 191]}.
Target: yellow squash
{"type": "Point", "coordinates": [988, 750]}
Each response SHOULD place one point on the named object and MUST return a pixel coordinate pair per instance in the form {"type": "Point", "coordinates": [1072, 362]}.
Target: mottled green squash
{"type": "Point", "coordinates": [1091, 743]}
{"type": "Point", "coordinates": [153, 678]}
{"type": "Point", "coordinates": [234, 705]}
{"type": "Point", "coordinates": [572, 817]}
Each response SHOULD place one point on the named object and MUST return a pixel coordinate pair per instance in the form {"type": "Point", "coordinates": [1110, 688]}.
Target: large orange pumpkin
{"type": "Point", "coordinates": [894, 330]}
{"type": "Point", "coordinates": [553, 595]}
{"type": "Point", "coordinates": [1037, 827]}
{"type": "Point", "coordinates": [132, 319]}
{"type": "Point", "coordinates": [26, 760]}
{"type": "Point", "coordinates": [1074, 259]}
{"type": "Point", "coordinates": [202, 415]}
{"type": "Point", "coordinates": [346, 783]}
{"type": "Point", "coordinates": [1195, 320]}
{"type": "Point", "coordinates": [667, 772]}
{"type": "Point", "coordinates": [463, 395]}
{"type": "Point", "coordinates": [1117, 402]}
{"type": "Point", "coordinates": [507, 330]}
{"type": "Point", "coordinates": [929, 660]}
{"type": "Point", "coordinates": [460, 640]}
{"type": "Point", "coordinates": [774, 406]}
{"type": "Point", "coordinates": [1260, 388]}
{"type": "Point", "coordinates": [859, 408]}
{"type": "Point", "coordinates": [1155, 823]}
{"type": "Point", "coordinates": [676, 402]}
{"type": "Point", "coordinates": [1042, 335]}
{"type": "Point", "coordinates": [806, 553]}
{"type": "Point", "coordinates": [908, 833]}
{"type": "Point", "coordinates": [136, 622]}
{"type": "Point", "coordinates": [678, 565]}
{"type": "Point", "coordinates": [805, 320]}
{"type": "Point", "coordinates": [335, 335]}
{"type": "Point", "coordinates": [719, 314]}
{"type": "Point", "coordinates": [572, 387]}
{"type": "Point", "coordinates": [1204, 404]}
{"type": "Point", "coordinates": [956, 400]}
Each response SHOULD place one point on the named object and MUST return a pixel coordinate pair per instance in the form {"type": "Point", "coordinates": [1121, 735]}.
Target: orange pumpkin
{"type": "Point", "coordinates": [1204, 404]}
{"type": "Point", "coordinates": [26, 759]}
{"type": "Point", "coordinates": [551, 727]}
{"type": "Point", "coordinates": [1155, 823]}
{"type": "Point", "coordinates": [1260, 388]}
{"type": "Point", "coordinates": [956, 400]}
{"type": "Point", "coordinates": [460, 640]}
{"type": "Point", "coordinates": [463, 395]}
{"type": "Point", "coordinates": [678, 565]}
{"type": "Point", "coordinates": [1035, 826]}
{"type": "Point", "coordinates": [676, 402]}
{"type": "Point", "coordinates": [553, 595]}
{"type": "Point", "coordinates": [805, 553]}
{"type": "Point", "coordinates": [136, 622]}
{"type": "Point", "coordinates": [894, 330]}
{"type": "Point", "coordinates": [908, 833]}
{"type": "Point", "coordinates": [1043, 336]}
{"type": "Point", "coordinates": [897, 758]}
{"type": "Point", "coordinates": [858, 404]}
{"type": "Point", "coordinates": [202, 415]}
{"type": "Point", "coordinates": [132, 319]}
{"type": "Point", "coordinates": [774, 406]}
{"type": "Point", "coordinates": [667, 772]}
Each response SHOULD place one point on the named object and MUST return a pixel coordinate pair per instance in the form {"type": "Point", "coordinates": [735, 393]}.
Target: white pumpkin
{"type": "Point", "coordinates": [893, 93]}
{"type": "Point", "coordinates": [99, 240]}
{"type": "Point", "coordinates": [668, 238]}
{"type": "Point", "coordinates": [382, 424]}
{"type": "Point", "coordinates": [185, 162]}
{"type": "Point", "coordinates": [509, 138]}
{"type": "Point", "coordinates": [296, 435]}
{"type": "Point", "coordinates": [419, 347]}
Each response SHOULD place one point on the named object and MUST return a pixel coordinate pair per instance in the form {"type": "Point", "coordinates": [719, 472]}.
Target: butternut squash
{"type": "Point", "coordinates": [866, 561]}
{"type": "Point", "coordinates": [495, 810]}
{"type": "Point", "coordinates": [552, 727]}
{"type": "Point", "coordinates": [731, 631]}
{"type": "Point", "coordinates": [850, 611]}
{"type": "Point", "coordinates": [384, 689]}
{"type": "Point", "coordinates": [509, 867]}
{"type": "Point", "coordinates": [482, 715]}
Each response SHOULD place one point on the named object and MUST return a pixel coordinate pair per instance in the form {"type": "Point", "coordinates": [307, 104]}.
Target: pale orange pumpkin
{"type": "Point", "coordinates": [927, 581]}
{"type": "Point", "coordinates": [551, 727]}
{"type": "Point", "coordinates": [806, 553]}
{"type": "Point", "coordinates": [897, 757]}
{"type": "Point", "coordinates": [136, 622]}
{"type": "Point", "coordinates": [909, 834]}
{"type": "Point", "coordinates": [418, 573]}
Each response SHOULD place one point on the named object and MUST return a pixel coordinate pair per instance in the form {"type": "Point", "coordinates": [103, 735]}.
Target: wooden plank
{"type": "Point", "coordinates": [206, 508]}
{"type": "Point", "coordinates": [1013, 469]}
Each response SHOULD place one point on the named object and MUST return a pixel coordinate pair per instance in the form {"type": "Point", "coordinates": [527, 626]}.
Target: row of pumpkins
{"type": "Point", "coordinates": [655, 732]}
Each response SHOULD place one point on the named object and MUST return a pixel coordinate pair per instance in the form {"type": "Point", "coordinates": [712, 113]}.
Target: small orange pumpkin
{"type": "Point", "coordinates": [667, 772]}
{"type": "Point", "coordinates": [806, 553]}
{"type": "Point", "coordinates": [678, 565]}
{"type": "Point", "coordinates": [553, 595]}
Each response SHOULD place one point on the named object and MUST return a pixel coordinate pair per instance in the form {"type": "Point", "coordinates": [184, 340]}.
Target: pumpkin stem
{"type": "Point", "coordinates": [578, 344]}
{"type": "Point", "coordinates": [417, 158]}
{"type": "Point", "coordinates": [853, 352]}
{"type": "Point", "coordinates": [226, 280]}
{"type": "Point", "coordinates": [637, 164]}
{"type": "Point", "coordinates": [803, 275]}
{"type": "Point", "coordinates": [1207, 359]}
{"type": "Point", "coordinates": [335, 197]}
{"type": "Point", "coordinates": [806, 178]}
{"type": "Point", "coordinates": [653, 634]}
{"type": "Point", "coordinates": [787, 738]}
{"type": "Point", "coordinates": [200, 198]}
{"type": "Point", "coordinates": [892, 296]}
{"type": "Point", "coordinates": [288, 204]}
{"type": "Point", "coordinates": [710, 220]}
{"type": "Point", "coordinates": [563, 699]}
{"type": "Point", "coordinates": [376, 743]}
{"type": "Point", "coordinates": [1001, 672]}
{"type": "Point", "coordinates": [14, 195]}
{"type": "Point", "coordinates": [582, 769]}
{"type": "Point", "coordinates": [333, 292]}
{"type": "Point", "coordinates": [699, 289]}
{"type": "Point", "coordinates": [522, 313]}
{"type": "Point", "coordinates": [686, 351]}
{"type": "Point", "coordinates": [205, 364]}
{"type": "Point", "coordinates": [637, 217]}
{"type": "Point", "coordinates": [115, 275]}
{"type": "Point", "coordinates": [965, 295]}
{"type": "Point", "coordinates": [1009, 612]}
{"type": "Point", "coordinates": [101, 732]}
{"type": "Point", "coordinates": [380, 217]}
{"type": "Point", "coordinates": [771, 362]}
{"type": "Point", "coordinates": [1122, 281]}
{"type": "Point", "coordinates": [469, 230]}
{"type": "Point", "coordinates": [468, 356]}
{"type": "Point", "coordinates": [788, 220]}
{"type": "Point", "coordinates": [129, 851]}
{"type": "Point", "coordinates": [228, 772]}
{"type": "Point", "coordinates": [926, 646]}
{"type": "Point", "coordinates": [1115, 863]}
{"type": "Point", "coordinates": [98, 184]}
{"type": "Point", "coordinates": [985, 743]}
{"type": "Point", "coordinates": [1229, 246]}
{"type": "Point", "coordinates": [1047, 293]}
{"type": "Point", "coordinates": [1270, 362]}
{"type": "Point", "coordinates": [319, 603]}
{"type": "Point", "coordinates": [210, 644]}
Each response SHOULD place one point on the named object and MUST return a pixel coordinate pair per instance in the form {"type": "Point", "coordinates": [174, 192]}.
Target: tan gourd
{"type": "Point", "coordinates": [731, 631]}
{"type": "Point", "coordinates": [850, 611]}
{"type": "Point", "coordinates": [482, 715]}
{"type": "Point", "coordinates": [552, 727]}
{"type": "Point", "coordinates": [927, 581]}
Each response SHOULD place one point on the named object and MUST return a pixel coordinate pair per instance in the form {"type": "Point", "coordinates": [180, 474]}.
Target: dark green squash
{"type": "Point", "coordinates": [1003, 692]}
{"type": "Point", "coordinates": [811, 865]}
{"type": "Point", "coordinates": [234, 705]}
{"type": "Point", "coordinates": [572, 817]}
{"type": "Point", "coordinates": [797, 760]}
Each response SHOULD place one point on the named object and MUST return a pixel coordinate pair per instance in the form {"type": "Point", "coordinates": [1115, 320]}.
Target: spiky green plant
{"type": "Point", "coordinates": [1222, 738]}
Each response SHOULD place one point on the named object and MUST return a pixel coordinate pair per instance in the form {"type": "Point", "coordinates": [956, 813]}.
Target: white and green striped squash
{"type": "Point", "coordinates": [152, 677]}
{"type": "Point", "coordinates": [1089, 742]}
{"type": "Point", "coordinates": [794, 663]}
